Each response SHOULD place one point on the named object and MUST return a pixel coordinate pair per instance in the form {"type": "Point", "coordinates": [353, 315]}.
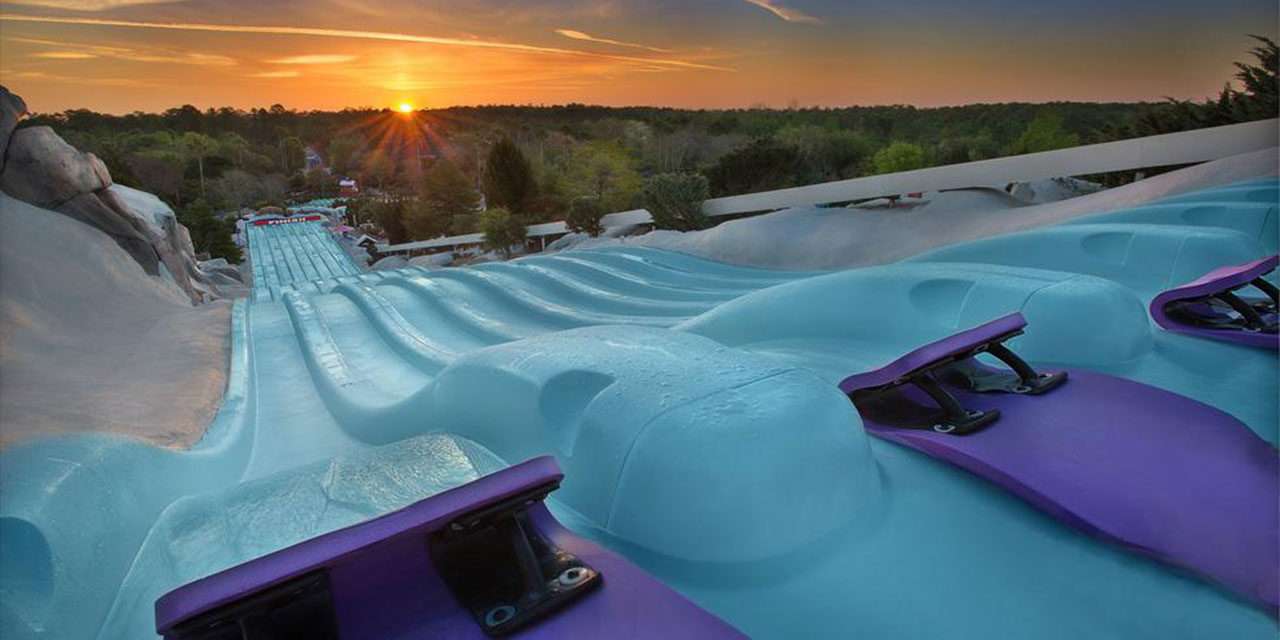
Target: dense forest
{"type": "Point", "coordinates": [431, 172]}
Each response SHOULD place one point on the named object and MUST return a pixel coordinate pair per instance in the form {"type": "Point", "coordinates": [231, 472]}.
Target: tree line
{"type": "Point", "coordinates": [434, 172]}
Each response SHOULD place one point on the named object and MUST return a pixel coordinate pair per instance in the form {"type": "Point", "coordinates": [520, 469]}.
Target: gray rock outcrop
{"type": "Point", "coordinates": [12, 109]}
{"type": "Point", "coordinates": [91, 210]}
{"type": "Point", "coordinates": [222, 272]}
{"type": "Point", "coordinates": [42, 169]}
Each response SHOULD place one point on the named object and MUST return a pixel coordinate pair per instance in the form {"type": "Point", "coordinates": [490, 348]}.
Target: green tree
{"type": "Point", "coordinates": [464, 223]}
{"type": "Point", "coordinates": [293, 154]}
{"type": "Point", "coordinates": [502, 230]}
{"type": "Point", "coordinates": [675, 200]}
{"type": "Point", "coordinates": [198, 147]}
{"type": "Point", "coordinates": [604, 171]}
{"type": "Point", "coordinates": [390, 216]}
{"type": "Point", "coordinates": [237, 189]}
{"type": "Point", "coordinates": [828, 154]}
{"type": "Point", "coordinates": [159, 172]}
{"type": "Point", "coordinates": [1260, 98]}
{"type": "Point", "coordinates": [584, 216]}
{"type": "Point", "coordinates": [274, 188]}
{"type": "Point", "coordinates": [966, 149]}
{"type": "Point", "coordinates": [446, 195]}
{"type": "Point", "coordinates": [379, 168]}
{"type": "Point", "coordinates": [551, 203]}
{"type": "Point", "coordinates": [762, 165]}
{"type": "Point", "coordinates": [209, 234]}
{"type": "Point", "coordinates": [342, 153]}
{"type": "Point", "coordinates": [320, 182]}
{"type": "Point", "coordinates": [184, 118]}
{"type": "Point", "coordinates": [508, 178]}
{"type": "Point", "coordinates": [233, 146]}
{"type": "Point", "coordinates": [899, 156]}
{"type": "Point", "coordinates": [1044, 133]}
{"type": "Point", "coordinates": [223, 244]}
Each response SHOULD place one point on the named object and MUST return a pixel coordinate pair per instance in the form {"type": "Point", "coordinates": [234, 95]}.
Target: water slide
{"type": "Point", "coordinates": [701, 417]}
{"type": "Point", "coordinates": [295, 254]}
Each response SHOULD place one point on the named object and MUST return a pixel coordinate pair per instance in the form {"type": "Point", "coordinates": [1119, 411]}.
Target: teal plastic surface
{"type": "Point", "coordinates": [693, 408]}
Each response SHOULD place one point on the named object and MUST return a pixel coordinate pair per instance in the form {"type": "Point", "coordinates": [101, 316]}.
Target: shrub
{"type": "Point", "coordinates": [899, 156]}
{"type": "Point", "coordinates": [675, 200]}
{"type": "Point", "coordinates": [1044, 133]}
{"type": "Point", "coordinates": [584, 216]}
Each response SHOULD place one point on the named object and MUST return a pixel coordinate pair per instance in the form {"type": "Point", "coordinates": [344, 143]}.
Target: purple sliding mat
{"type": "Point", "coordinates": [482, 559]}
{"type": "Point", "coordinates": [1209, 307]}
{"type": "Point", "coordinates": [1159, 473]}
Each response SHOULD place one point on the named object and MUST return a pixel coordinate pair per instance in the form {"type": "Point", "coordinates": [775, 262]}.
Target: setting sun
{"type": "Point", "coordinates": [405, 107]}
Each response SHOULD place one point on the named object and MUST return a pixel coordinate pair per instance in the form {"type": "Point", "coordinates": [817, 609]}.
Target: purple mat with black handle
{"type": "Point", "coordinates": [1156, 472]}
{"type": "Point", "coordinates": [383, 578]}
{"type": "Point", "coordinates": [1199, 308]}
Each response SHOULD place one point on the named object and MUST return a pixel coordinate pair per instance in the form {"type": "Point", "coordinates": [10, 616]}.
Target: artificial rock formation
{"type": "Point", "coordinates": [12, 109]}
{"type": "Point", "coordinates": [42, 169]}
{"type": "Point", "coordinates": [39, 167]}
{"type": "Point", "coordinates": [91, 210]}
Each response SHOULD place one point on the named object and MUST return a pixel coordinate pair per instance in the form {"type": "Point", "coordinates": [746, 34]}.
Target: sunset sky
{"type": "Point", "coordinates": [125, 55]}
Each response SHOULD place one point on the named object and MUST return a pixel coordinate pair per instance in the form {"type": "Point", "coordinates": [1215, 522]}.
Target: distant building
{"type": "Point", "coordinates": [313, 159]}
{"type": "Point", "coordinates": [367, 241]}
{"type": "Point", "coordinates": [347, 188]}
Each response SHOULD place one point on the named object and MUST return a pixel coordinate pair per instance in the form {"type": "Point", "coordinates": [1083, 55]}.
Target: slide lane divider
{"type": "Point", "coordinates": [364, 410]}
{"type": "Point", "coordinates": [656, 271]}
{"type": "Point", "coordinates": [455, 310]}
{"type": "Point", "coordinates": [616, 279]}
{"type": "Point", "coordinates": [523, 302]}
{"type": "Point", "coordinates": [400, 334]}
{"type": "Point", "coordinates": [556, 285]}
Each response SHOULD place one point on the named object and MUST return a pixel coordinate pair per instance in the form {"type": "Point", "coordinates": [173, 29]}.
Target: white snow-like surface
{"type": "Point", "coordinates": [805, 238]}
{"type": "Point", "coordinates": [89, 342]}
{"type": "Point", "coordinates": [1052, 189]}
{"type": "Point", "coordinates": [390, 263]}
{"type": "Point", "coordinates": [574, 239]}
{"type": "Point", "coordinates": [432, 261]}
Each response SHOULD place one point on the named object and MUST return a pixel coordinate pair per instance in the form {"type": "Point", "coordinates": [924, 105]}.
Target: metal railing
{"type": "Point", "coordinates": [1185, 147]}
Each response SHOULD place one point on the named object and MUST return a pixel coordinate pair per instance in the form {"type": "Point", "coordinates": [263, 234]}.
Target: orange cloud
{"type": "Point", "coordinates": [578, 35]}
{"type": "Point", "coordinates": [85, 5]}
{"type": "Point", "coordinates": [204, 59]}
{"type": "Point", "coordinates": [63, 55]}
{"type": "Point", "coordinates": [93, 80]}
{"type": "Point", "coordinates": [314, 58]}
{"type": "Point", "coordinates": [80, 51]}
{"type": "Point", "coordinates": [786, 13]}
{"type": "Point", "coordinates": [361, 35]}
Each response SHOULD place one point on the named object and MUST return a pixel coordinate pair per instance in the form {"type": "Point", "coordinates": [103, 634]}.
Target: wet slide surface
{"type": "Point", "coordinates": [694, 409]}
{"type": "Point", "coordinates": [294, 255]}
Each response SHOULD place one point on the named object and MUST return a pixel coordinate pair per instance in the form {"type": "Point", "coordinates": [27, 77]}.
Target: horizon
{"type": "Point", "coordinates": [122, 56]}
{"type": "Point", "coordinates": [394, 109]}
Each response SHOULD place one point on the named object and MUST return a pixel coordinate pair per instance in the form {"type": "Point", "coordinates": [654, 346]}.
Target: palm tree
{"type": "Point", "coordinates": [198, 146]}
